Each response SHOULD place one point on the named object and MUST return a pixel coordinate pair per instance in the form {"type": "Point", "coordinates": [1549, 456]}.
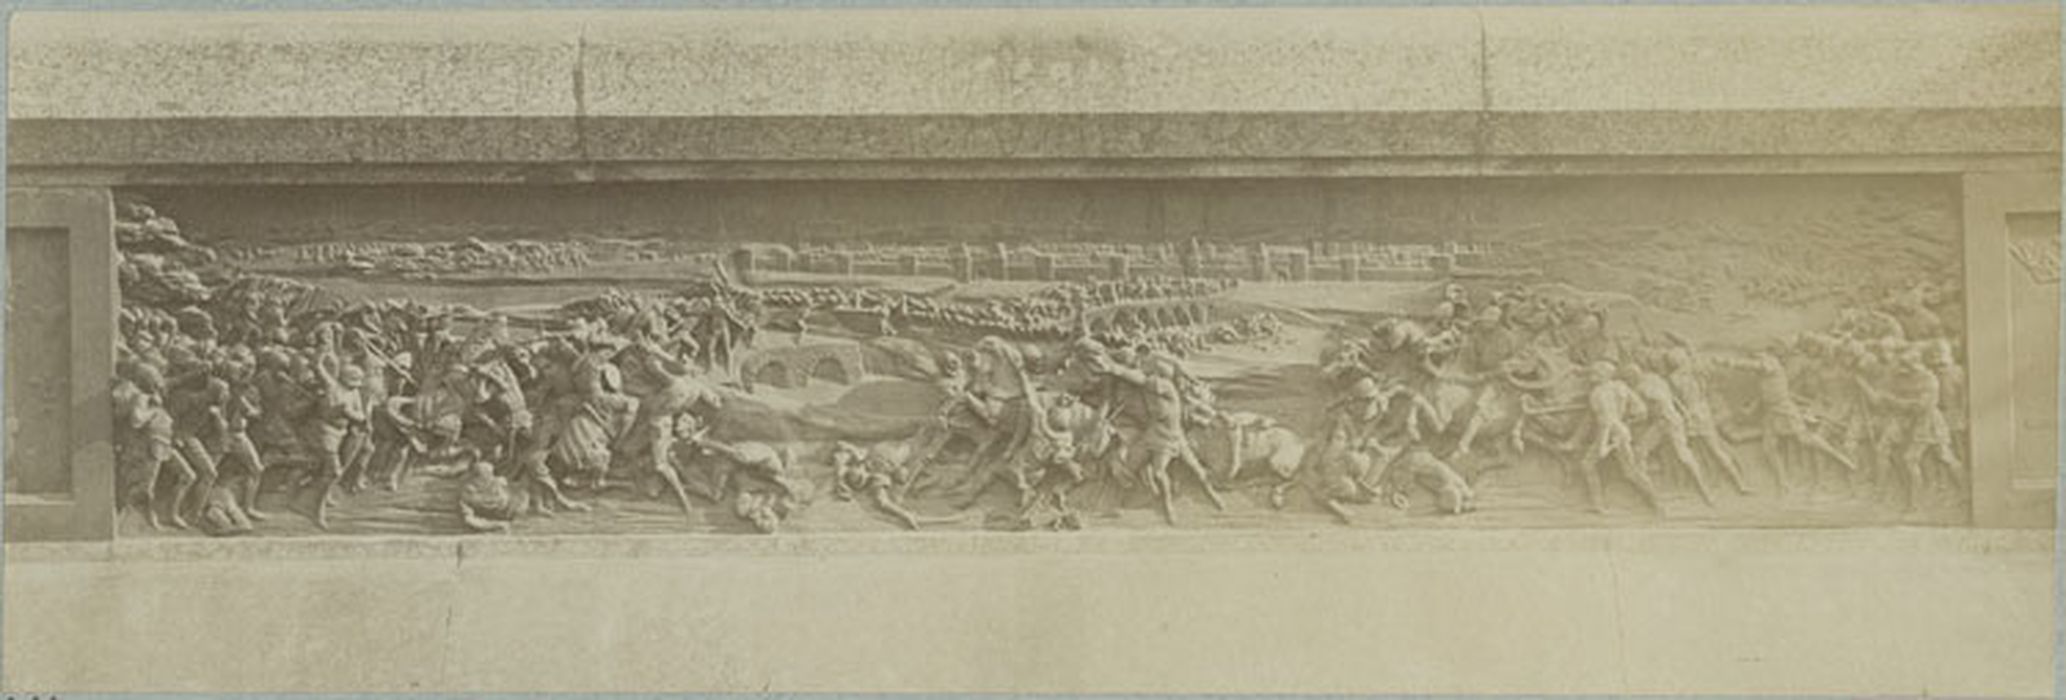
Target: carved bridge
{"type": "Point", "coordinates": [796, 366]}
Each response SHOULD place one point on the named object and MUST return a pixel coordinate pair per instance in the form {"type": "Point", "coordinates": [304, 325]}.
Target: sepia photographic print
{"type": "Point", "coordinates": [1447, 349]}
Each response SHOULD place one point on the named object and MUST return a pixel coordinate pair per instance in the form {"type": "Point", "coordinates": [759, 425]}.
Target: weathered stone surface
{"type": "Point", "coordinates": [1212, 92]}
{"type": "Point", "coordinates": [65, 490]}
{"type": "Point", "coordinates": [1031, 62]}
{"type": "Point", "coordinates": [1800, 57]}
{"type": "Point", "coordinates": [736, 63]}
{"type": "Point", "coordinates": [160, 65]}
{"type": "Point", "coordinates": [1607, 612]}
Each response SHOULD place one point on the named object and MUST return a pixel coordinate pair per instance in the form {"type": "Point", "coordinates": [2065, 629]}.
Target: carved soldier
{"type": "Point", "coordinates": [1917, 397]}
{"type": "Point", "coordinates": [1164, 439]}
{"type": "Point", "coordinates": [1951, 381]}
{"type": "Point", "coordinates": [1785, 426]}
{"type": "Point", "coordinates": [1703, 432]}
{"type": "Point", "coordinates": [1491, 354]}
{"type": "Point", "coordinates": [359, 350]}
{"type": "Point", "coordinates": [1611, 405]}
{"type": "Point", "coordinates": [1665, 425]}
{"type": "Point", "coordinates": [148, 444]}
{"type": "Point", "coordinates": [674, 390]}
{"type": "Point", "coordinates": [235, 448]}
{"type": "Point", "coordinates": [1418, 465]}
{"type": "Point", "coordinates": [340, 410]}
{"type": "Point", "coordinates": [199, 425]}
{"type": "Point", "coordinates": [861, 473]}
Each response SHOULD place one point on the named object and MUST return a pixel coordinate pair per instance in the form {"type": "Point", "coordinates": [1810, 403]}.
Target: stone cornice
{"type": "Point", "coordinates": [1406, 91]}
{"type": "Point", "coordinates": [1120, 145]}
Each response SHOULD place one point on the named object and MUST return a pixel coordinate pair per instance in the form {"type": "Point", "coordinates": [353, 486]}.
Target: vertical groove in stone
{"type": "Point", "coordinates": [581, 94]}
{"type": "Point", "coordinates": [1480, 138]}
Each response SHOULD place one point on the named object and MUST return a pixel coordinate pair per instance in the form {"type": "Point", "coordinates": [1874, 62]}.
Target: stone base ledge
{"type": "Point", "coordinates": [1690, 542]}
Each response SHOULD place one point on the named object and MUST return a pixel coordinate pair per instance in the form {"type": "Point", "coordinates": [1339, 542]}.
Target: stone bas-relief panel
{"type": "Point", "coordinates": [1697, 352]}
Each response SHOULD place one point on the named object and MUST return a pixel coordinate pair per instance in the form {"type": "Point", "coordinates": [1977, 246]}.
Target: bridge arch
{"type": "Point", "coordinates": [795, 366]}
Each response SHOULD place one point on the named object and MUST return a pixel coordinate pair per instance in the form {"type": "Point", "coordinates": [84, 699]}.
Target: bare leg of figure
{"type": "Point", "coordinates": [535, 464]}
{"type": "Point", "coordinates": [1197, 468]}
{"type": "Point", "coordinates": [381, 463]}
{"type": "Point", "coordinates": [183, 482]}
{"type": "Point", "coordinates": [1811, 470]}
{"type": "Point", "coordinates": [1681, 448]}
{"type": "Point", "coordinates": [1954, 469]}
{"type": "Point", "coordinates": [1872, 466]}
{"type": "Point", "coordinates": [1814, 441]}
{"type": "Point", "coordinates": [1890, 452]}
{"type": "Point", "coordinates": [1646, 445]}
{"type": "Point", "coordinates": [1335, 497]}
{"type": "Point", "coordinates": [982, 483]}
{"type": "Point", "coordinates": [1911, 468]}
{"type": "Point", "coordinates": [1633, 471]}
{"type": "Point", "coordinates": [1470, 434]}
{"type": "Point", "coordinates": [359, 461]}
{"type": "Point", "coordinates": [477, 523]}
{"type": "Point", "coordinates": [330, 469]}
{"type": "Point", "coordinates": [889, 505]}
{"type": "Point", "coordinates": [1714, 448]}
{"type": "Point", "coordinates": [1023, 487]}
{"type": "Point", "coordinates": [246, 455]}
{"type": "Point", "coordinates": [1889, 464]}
{"type": "Point", "coordinates": [1958, 450]}
{"type": "Point", "coordinates": [203, 465]}
{"type": "Point", "coordinates": [537, 499]}
{"type": "Point", "coordinates": [1278, 492]}
{"type": "Point", "coordinates": [673, 479]}
{"type": "Point", "coordinates": [1862, 480]}
{"type": "Point", "coordinates": [145, 490]}
{"type": "Point", "coordinates": [1338, 509]}
{"type": "Point", "coordinates": [1159, 483]}
{"type": "Point", "coordinates": [1239, 438]}
{"type": "Point", "coordinates": [550, 491]}
{"type": "Point", "coordinates": [925, 450]}
{"type": "Point", "coordinates": [1595, 492]}
{"type": "Point", "coordinates": [1060, 497]}
{"type": "Point", "coordinates": [1449, 500]}
{"type": "Point", "coordinates": [1775, 459]}
{"type": "Point", "coordinates": [405, 460]}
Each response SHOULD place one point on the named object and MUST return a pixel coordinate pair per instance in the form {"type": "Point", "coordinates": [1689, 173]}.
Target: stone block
{"type": "Point", "coordinates": [62, 290]}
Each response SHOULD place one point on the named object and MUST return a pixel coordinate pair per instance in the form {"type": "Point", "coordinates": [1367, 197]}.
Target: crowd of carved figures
{"type": "Point", "coordinates": [224, 378]}
{"type": "Point", "coordinates": [1874, 403]}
